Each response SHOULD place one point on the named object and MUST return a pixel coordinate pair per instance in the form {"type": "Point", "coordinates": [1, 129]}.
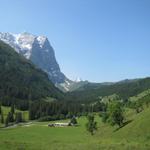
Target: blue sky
{"type": "Point", "coordinates": [97, 40]}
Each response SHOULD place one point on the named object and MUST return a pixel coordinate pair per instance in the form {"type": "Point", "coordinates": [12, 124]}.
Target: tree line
{"type": "Point", "coordinates": [11, 117]}
{"type": "Point", "coordinates": [60, 110]}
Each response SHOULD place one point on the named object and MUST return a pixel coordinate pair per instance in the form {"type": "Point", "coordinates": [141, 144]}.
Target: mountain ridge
{"type": "Point", "coordinates": [37, 49]}
{"type": "Point", "coordinates": [124, 89]}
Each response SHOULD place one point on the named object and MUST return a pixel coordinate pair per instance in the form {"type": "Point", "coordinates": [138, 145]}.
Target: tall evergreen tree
{"type": "Point", "coordinates": [2, 117]}
{"type": "Point", "coordinates": [18, 117]}
{"type": "Point", "coordinates": [10, 117]}
{"type": "Point", "coordinates": [6, 122]}
{"type": "Point", "coordinates": [12, 109]}
{"type": "Point", "coordinates": [0, 109]}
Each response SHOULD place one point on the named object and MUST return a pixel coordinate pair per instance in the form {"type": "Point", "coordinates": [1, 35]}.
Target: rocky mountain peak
{"type": "Point", "coordinates": [38, 50]}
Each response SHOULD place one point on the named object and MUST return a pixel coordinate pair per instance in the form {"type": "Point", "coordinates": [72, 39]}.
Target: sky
{"type": "Point", "coordinates": [96, 40]}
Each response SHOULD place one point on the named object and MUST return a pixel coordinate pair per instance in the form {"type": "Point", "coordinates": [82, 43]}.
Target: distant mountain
{"type": "Point", "coordinates": [92, 85]}
{"type": "Point", "coordinates": [124, 89]}
{"type": "Point", "coordinates": [20, 79]}
{"type": "Point", "coordinates": [39, 51]}
{"type": "Point", "coordinates": [71, 86]}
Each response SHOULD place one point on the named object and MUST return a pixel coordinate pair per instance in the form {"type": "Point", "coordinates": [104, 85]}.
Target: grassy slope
{"type": "Point", "coordinates": [135, 135]}
{"type": "Point", "coordinates": [138, 129]}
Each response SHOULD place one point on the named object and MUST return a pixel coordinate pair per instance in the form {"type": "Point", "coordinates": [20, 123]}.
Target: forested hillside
{"type": "Point", "coordinates": [20, 80]}
{"type": "Point", "coordinates": [125, 89]}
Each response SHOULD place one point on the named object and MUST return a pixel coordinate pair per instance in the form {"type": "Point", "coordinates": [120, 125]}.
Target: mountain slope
{"type": "Point", "coordinates": [69, 86]}
{"type": "Point", "coordinates": [92, 92]}
{"type": "Point", "coordinates": [38, 50]}
{"type": "Point", "coordinates": [138, 129]}
{"type": "Point", "coordinates": [20, 79]}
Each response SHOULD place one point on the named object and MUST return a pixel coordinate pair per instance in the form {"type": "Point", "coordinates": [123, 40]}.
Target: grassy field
{"type": "Point", "coordinates": [38, 136]}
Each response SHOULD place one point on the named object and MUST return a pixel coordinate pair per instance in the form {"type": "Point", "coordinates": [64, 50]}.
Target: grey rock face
{"type": "Point", "coordinates": [43, 56]}
{"type": "Point", "coordinates": [38, 50]}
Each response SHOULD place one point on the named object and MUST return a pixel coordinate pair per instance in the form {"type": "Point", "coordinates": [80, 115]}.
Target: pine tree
{"type": "Point", "coordinates": [12, 109]}
{"type": "Point", "coordinates": [10, 117]}
{"type": "Point", "coordinates": [2, 117]}
{"type": "Point", "coordinates": [18, 117]}
{"type": "Point", "coordinates": [0, 109]}
{"type": "Point", "coordinates": [6, 122]}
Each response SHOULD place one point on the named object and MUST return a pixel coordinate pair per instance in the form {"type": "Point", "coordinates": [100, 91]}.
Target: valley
{"type": "Point", "coordinates": [38, 135]}
{"type": "Point", "coordinates": [110, 115]}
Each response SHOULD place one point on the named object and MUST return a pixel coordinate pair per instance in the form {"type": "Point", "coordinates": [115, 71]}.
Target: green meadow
{"type": "Point", "coordinates": [38, 136]}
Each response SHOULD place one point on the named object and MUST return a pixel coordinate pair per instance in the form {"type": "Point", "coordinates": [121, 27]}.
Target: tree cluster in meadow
{"type": "Point", "coordinates": [114, 114]}
{"type": "Point", "coordinates": [139, 104]}
{"type": "Point", "coordinates": [91, 125]}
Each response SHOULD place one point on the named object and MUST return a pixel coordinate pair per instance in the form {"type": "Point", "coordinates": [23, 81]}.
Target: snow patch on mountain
{"type": "Point", "coordinates": [22, 42]}
{"type": "Point", "coordinates": [41, 40]}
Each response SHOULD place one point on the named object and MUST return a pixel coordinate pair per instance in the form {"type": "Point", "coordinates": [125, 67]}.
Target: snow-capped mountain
{"type": "Point", "coordinates": [39, 51]}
